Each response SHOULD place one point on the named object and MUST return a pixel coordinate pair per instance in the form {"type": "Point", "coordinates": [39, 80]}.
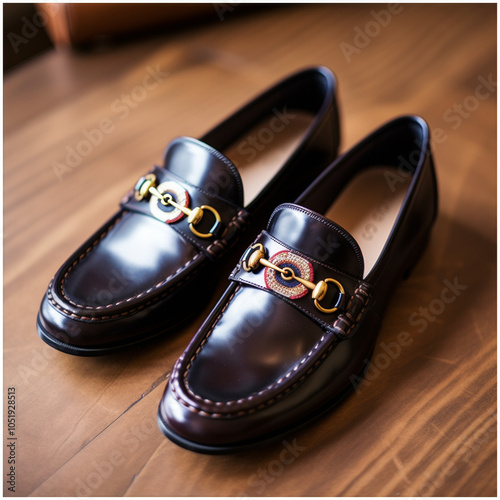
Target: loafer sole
{"type": "Point", "coordinates": [97, 350]}
{"type": "Point", "coordinates": [258, 442]}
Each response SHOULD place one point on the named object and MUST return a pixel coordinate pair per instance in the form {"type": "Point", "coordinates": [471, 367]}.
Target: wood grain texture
{"type": "Point", "coordinates": [423, 422]}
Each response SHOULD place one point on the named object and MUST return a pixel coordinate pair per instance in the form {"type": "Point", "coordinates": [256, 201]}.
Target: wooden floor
{"type": "Point", "coordinates": [423, 423]}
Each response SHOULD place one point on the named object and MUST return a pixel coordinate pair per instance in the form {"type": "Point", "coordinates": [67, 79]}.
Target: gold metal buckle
{"type": "Point", "coordinates": [317, 299]}
{"type": "Point", "coordinates": [195, 218]}
{"type": "Point", "coordinates": [142, 186]}
{"type": "Point", "coordinates": [319, 290]}
{"type": "Point", "coordinates": [147, 186]}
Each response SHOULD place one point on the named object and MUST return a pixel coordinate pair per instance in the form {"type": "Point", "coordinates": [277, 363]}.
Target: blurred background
{"type": "Point", "coordinates": [88, 26]}
{"type": "Point", "coordinates": [93, 93]}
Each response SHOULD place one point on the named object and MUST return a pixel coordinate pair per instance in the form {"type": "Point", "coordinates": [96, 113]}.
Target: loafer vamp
{"type": "Point", "coordinates": [132, 259]}
{"type": "Point", "coordinates": [243, 363]}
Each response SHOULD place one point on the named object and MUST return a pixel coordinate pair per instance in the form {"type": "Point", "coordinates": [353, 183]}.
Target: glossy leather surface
{"type": "Point", "coordinates": [262, 364]}
{"type": "Point", "coordinates": [130, 280]}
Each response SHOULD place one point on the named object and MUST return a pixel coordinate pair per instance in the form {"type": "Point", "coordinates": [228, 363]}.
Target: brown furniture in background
{"type": "Point", "coordinates": [87, 23]}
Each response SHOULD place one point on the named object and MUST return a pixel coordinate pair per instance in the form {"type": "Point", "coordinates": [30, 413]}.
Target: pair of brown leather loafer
{"type": "Point", "coordinates": [305, 300]}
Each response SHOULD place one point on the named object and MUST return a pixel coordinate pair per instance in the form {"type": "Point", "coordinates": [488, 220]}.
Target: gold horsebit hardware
{"type": "Point", "coordinates": [258, 257]}
{"type": "Point", "coordinates": [147, 186]}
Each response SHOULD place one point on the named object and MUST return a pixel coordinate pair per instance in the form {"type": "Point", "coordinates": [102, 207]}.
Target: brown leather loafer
{"type": "Point", "coordinates": [131, 279]}
{"type": "Point", "coordinates": [305, 303]}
